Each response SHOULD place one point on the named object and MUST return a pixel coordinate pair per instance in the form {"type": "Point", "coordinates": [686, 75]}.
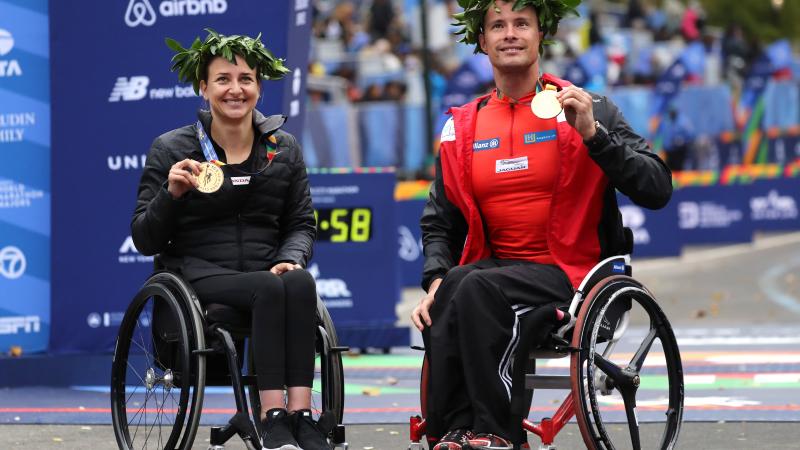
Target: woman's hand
{"type": "Point", "coordinates": [182, 177]}
{"type": "Point", "coordinates": [281, 268]}
{"type": "Point", "coordinates": [421, 314]}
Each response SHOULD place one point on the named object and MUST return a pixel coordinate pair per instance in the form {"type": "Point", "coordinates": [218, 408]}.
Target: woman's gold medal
{"type": "Point", "coordinates": [210, 178]}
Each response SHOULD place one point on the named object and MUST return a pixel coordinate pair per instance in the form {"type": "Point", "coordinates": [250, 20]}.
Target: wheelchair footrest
{"type": "Point", "coordinates": [533, 381]}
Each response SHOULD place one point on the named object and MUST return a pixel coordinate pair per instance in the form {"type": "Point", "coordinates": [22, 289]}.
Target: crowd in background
{"type": "Point", "coordinates": [371, 51]}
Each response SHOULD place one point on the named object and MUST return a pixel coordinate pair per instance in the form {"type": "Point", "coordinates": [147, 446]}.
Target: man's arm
{"type": "Point", "coordinates": [444, 230]}
{"type": "Point", "coordinates": [626, 158]}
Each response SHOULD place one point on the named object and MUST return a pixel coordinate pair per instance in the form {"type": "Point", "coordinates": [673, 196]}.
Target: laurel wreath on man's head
{"type": "Point", "coordinates": [550, 13]}
{"type": "Point", "coordinates": [191, 62]}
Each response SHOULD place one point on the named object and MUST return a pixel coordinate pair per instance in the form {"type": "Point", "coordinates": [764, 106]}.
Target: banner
{"type": "Point", "coordinates": [409, 239]}
{"type": "Point", "coordinates": [355, 263]}
{"type": "Point", "coordinates": [655, 233]}
{"type": "Point", "coordinates": [113, 95]}
{"type": "Point", "coordinates": [24, 176]}
{"type": "Point", "coordinates": [713, 214]}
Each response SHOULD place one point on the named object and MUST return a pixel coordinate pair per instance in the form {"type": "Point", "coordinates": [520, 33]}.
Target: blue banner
{"type": "Point", "coordinates": [655, 233]}
{"type": "Point", "coordinates": [24, 176]}
{"type": "Point", "coordinates": [409, 250]}
{"type": "Point", "coordinates": [114, 94]}
{"type": "Point", "coordinates": [355, 263]}
{"type": "Point", "coordinates": [713, 214]}
{"type": "Point", "coordinates": [773, 204]}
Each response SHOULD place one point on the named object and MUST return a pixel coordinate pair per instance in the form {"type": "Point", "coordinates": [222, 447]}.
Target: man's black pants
{"type": "Point", "coordinates": [476, 317]}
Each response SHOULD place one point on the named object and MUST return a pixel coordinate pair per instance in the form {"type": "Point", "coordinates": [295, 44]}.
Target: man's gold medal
{"type": "Point", "coordinates": [545, 104]}
{"type": "Point", "coordinates": [210, 178]}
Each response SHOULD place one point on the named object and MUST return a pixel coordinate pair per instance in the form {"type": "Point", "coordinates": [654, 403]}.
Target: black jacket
{"type": "Point", "coordinates": [241, 228]}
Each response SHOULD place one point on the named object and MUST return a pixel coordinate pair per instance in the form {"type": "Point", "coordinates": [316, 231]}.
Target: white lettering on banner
{"type": "Point", "coordinates": [8, 68]}
{"type": "Point", "coordinates": [334, 291]}
{"type": "Point", "coordinates": [12, 262]}
{"type": "Point", "coordinates": [126, 162]}
{"type": "Point", "coordinates": [129, 89]}
{"type": "Point", "coordinates": [17, 119]}
{"type": "Point", "coordinates": [633, 217]}
{"type": "Point", "coordinates": [300, 5]}
{"type": "Point", "coordinates": [17, 195]}
{"type": "Point", "coordinates": [129, 254]}
{"type": "Point", "coordinates": [15, 324]}
{"type": "Point", "coordinates": [134, 88]}
{"type": "Point", "coordinates": [693, 215]}
{"type": "Point", "coordinates": [773, 207]}
{"type": "Point", "coordinates": [12, 135]}
{"type": "Point", "coordinates": [111, 319]}
{"type": "Point", "coordinates": [300, 19]}
{"type": "Point", "coordinates": [170, 8]}
{"type": "Point", "coordinates": [410, 249]}
{"type": "Point", "coordinates": [141, 12]}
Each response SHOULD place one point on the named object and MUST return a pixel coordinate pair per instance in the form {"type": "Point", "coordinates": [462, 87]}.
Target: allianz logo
{"type": "Point", "coordinates": [773, 206]}
{"type": "Point", "coordinates": [8, 67]}
{"type": "Point", "coordinates": [334, 291]}
{"type": "Point", "coordinates": [129, 89]}
{"type": "Point", "coordinates": [141, 12]}
{"type": "Point", "coordinates": [126, 162]}
{"type": "Point", "coordinates": [128, 253]}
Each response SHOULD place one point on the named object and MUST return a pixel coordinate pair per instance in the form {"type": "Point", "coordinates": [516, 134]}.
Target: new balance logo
{"type": "Point", "coordinates": [129, 89]}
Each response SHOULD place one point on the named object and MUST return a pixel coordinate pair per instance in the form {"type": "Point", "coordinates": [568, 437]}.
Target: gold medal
{"type": "Point", "coordinates": [210, 178]}
{"type": "Point", "coordinates": [545, 104]}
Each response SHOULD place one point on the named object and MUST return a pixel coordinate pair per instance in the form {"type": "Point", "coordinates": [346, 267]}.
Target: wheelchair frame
{"type": "Point", "coordinates": [592, 290]}
{"type": "Point", "coordinates": [192, 328]}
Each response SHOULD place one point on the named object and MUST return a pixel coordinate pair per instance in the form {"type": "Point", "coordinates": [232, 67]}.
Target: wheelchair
{"type": "Point", "coordinates": [169, 348]}
{"type": "Point", "coordinates": [616, 380]}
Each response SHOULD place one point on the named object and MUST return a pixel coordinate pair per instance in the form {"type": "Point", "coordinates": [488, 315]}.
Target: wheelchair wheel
{"type": "Point", "coordinates": [155, 402]}
{"type": "Point", "coordinates": [328, 390]}
{"type": "Point", "coordinates": [619, 382]}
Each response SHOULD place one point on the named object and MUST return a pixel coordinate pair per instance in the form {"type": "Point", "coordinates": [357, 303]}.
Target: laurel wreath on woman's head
{"type": "Point", "coordinates": [191, 62]}
{"type": "Point", "coordinates": [550, 13]}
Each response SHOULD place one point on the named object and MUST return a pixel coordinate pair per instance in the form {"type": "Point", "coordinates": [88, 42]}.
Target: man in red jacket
{"type": "Point", "coordinates": [521, 209]}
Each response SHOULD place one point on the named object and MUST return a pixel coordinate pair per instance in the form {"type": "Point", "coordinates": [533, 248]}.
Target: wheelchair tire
{"type": "Point", "coordinates": [155, 387]}
{"type": "Point", "coordinates": [613, 387]}
{"type": "Point", "coordinates": [331, 370]}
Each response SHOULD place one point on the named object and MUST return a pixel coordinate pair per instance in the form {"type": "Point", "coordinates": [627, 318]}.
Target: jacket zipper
{"type": "Point", "coordinates": [511, 132]}
{"type": "Point", "coordinates": [239, 241]}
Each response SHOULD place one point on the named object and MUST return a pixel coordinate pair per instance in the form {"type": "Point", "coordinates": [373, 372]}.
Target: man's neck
{"type": "Point", "coordinates": [516, 84]}
{"type": "Point", "coordinates": [235, 137]}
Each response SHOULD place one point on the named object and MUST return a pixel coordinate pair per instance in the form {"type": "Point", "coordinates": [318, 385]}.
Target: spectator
{"type": "Point", "coordinates": [678, 134]}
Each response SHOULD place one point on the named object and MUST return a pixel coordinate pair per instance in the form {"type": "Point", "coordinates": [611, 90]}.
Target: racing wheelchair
{"type": "Point", "coordinates": [624, 367]}
{"type": "Point", "coordinates": [169, 348]}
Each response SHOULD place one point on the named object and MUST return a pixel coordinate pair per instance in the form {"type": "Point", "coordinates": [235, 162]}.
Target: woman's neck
{"type": "Point", "coordinates": [236, 138]}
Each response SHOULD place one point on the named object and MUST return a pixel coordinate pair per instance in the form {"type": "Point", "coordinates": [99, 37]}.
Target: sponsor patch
{"type": "Point", "coordinates": [486, 144]}
{"type": "Point", "coordinates": [240, 181]}
{"type": "Point", "coordinates": [511, 165]}
{"type": "Point", "coordinates": [535, 137]}
{"type": "Point", "coordinates": [618, 267]}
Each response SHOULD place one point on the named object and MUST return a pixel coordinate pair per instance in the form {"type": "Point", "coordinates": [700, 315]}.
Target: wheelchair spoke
{"type": "Point", "coordinates": [629, 398]}
{"type": "Point", "coordinates": [638, 359]}
{"type": "Point", "coordinates": [612, 370]}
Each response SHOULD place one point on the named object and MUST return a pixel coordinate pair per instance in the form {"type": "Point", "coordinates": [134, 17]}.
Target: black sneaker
{"type": "Point", "coordinates": [278, 431]}
{"type": "Point", "coordinates": [308, 433]}
{"type": "Point", "coordinates": [455, 440]}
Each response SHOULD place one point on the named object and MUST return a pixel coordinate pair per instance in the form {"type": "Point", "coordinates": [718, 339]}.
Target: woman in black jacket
{"type": "Point", "coordinates": [226, 203]}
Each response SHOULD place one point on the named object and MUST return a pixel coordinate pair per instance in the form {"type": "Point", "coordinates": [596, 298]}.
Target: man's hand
{"type": "Point", "coordinates": [421, 313]}
{"type": "Point", "coordinates": [281, 268]}
{"type": "Point", "coordinates": [577, 105]}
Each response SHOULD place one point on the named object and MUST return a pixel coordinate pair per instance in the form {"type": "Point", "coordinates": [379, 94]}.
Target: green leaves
{"type": "Point", "coordinates": [191, 62]}
{"type": "Point", "coordinates": [550, 13]}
